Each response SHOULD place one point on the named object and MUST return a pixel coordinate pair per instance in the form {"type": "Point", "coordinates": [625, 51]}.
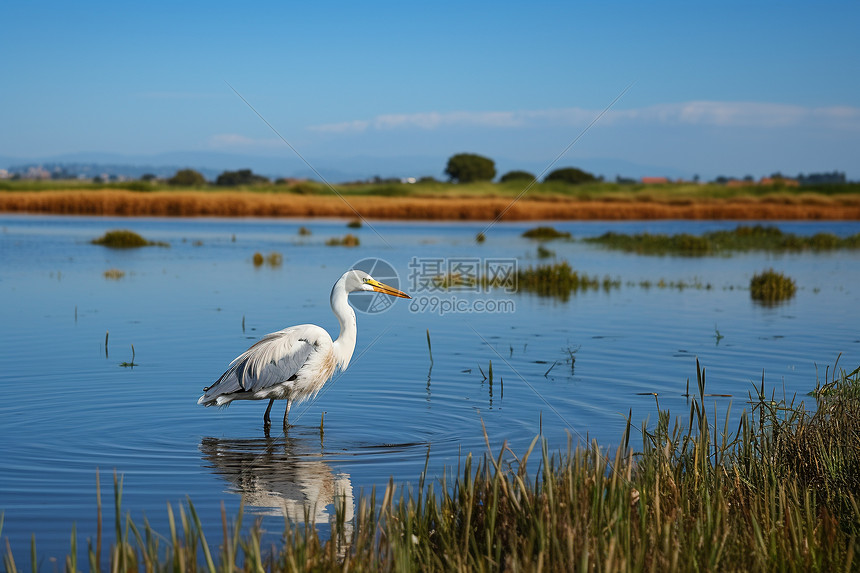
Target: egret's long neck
{"type": "Point", "coordinates": [344, 346]}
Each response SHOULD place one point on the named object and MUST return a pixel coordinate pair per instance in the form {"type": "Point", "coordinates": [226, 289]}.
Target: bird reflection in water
{"type": "Point", "coordinates": [284, 475]}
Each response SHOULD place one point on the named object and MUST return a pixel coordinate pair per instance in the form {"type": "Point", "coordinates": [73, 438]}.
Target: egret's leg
{"type": "Point", "coordinates": [267, 422]}
{"type": "Point", "coordinates": [287, 413]}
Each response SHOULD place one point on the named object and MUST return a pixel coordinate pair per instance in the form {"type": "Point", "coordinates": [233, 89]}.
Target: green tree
{"type": "Point", "coordinates": [468, 167]}
{"type": "Point", "coordinates": [517, 176]}
{"type": "Point", "coordinates": [240, 177]}
{"type": "Point", "coordinates": [570, 175]}
{"type": "Point", "coordinates": [187, 177]}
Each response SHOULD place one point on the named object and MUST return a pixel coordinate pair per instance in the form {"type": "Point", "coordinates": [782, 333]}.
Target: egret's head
{"type": "Point", "coordinates": [356, 280]}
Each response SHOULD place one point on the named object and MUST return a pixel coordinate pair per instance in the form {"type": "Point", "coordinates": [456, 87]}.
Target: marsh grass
{"type": "Point", "coordinates": [545, 233]}
{"type": "Point", "coordinates": [771, 287]}
{"type": "Point", "coordinates": [695, 284]}
{"type": "Point", "coordinates": [114, 274]}
{"type": "Point", "coordinates": [743, 238]}
{"type": "Point", "coordinates": [131, 364]}
{"type": "Point", "coordinates": [436, 201]}
{"type": "Point", "coordinates": [125, 239]}
{"type": "Point", "coordinates": [777, 494]}
{"type": "Point", "coordinates": [348, 240]}
{"type": "Point", "coordinates": [273, 259]}
{"type": "Point", "coordinates": [557, 280]}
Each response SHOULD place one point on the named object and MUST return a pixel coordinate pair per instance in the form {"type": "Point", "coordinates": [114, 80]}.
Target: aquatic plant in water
{"type": "Point", "coordinates": [114, 274]}
{"type": "Point", "coordinates": [347, 241]}
{"type": "Point", "coordinates": [556, 280]}
{"type": "Point", "coordinates": [274, 259]}
{"type": "Point", "coordinates": [125, 239]}
{"type": "Point", "coordinates": [772, 287]}
{"type": "Point", "coordinates": [742, 238]}
{"type": "Point", "coordinates": [546, 233]}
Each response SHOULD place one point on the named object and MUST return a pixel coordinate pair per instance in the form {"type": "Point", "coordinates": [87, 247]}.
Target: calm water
{"type": "Point", "coordinates": [69, 408]}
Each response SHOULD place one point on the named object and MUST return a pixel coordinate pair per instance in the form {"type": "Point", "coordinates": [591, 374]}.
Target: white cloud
{"type": "Point", "coordinates": [694, 113]}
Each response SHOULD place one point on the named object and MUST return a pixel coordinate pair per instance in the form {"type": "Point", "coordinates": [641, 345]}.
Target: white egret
{"type": "Point", "coordinates": [293, 364]}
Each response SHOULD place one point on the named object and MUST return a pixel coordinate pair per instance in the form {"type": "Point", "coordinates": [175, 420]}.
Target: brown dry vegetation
{"type": "Point", "coordinates": [116, 202]}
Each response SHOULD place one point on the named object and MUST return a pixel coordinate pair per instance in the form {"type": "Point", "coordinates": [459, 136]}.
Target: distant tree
{"type": "Point", "coordinates": [468, 167]}
{"type": "Point", "coordinates": [517, 176]}
{"type": "Point", "coordinates": [570, 175]}
{"type": "Point", "coordinates": [98, 179]}
{"type": "Point", "coordinates": [240, 177]}
{"type": "Point", "coordinates": [187, 177]}
{"type": "Point", "coordinates": [148, 177]}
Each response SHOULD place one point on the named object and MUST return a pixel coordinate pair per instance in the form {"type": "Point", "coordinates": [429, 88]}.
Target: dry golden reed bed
{"type": "Point", "coordinates": [117, 202]}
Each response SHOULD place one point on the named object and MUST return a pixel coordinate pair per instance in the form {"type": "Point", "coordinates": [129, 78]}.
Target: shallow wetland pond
{"type": "Point", "coordinates": [174, 317]}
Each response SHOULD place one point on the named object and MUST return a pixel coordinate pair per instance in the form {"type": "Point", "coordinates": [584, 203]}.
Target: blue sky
{"type": "Point", "coordinates": [724, 88]}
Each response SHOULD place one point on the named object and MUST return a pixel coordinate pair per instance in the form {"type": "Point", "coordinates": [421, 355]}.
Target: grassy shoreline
{"type": "Point", "coordinates": [782, 493]}
{"type": "Point", "coordinates": [438, 201]}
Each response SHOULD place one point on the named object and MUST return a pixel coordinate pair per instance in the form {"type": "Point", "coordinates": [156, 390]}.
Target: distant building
{"type": "Point", "coordinates": [4, 174]}
{"type": "Point", "coordinates": [654, 180]}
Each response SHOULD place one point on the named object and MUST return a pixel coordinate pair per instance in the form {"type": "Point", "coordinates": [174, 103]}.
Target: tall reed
{"type": "Point", "coordinates": [779, 493]}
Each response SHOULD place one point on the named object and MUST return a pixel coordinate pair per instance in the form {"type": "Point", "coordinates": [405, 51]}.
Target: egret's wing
{"type": "Point", "coordinates": [274, 359]}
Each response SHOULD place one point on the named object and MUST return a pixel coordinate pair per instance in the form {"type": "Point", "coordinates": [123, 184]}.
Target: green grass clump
{"type": "Point", "coordinates": [559, 280]}
{"type": "Point", "coordinates": [125, 239]}
{"type": "Point", "coordinates": [648, 244]}
{"type": "Point", "coordinates": [743, 238]}
{"type": "Point", "coordinates": [348, 240]}
{"type": "Point", "coordinates": [777, 494]}
{"type": "Point", "coordinates": [772, 287]}
{"type": "Point", "coordinates": [273, 259]}
{"type": "Point", "coordinates": [114, 274]}
{"type": "Point", "coordinates": [546, 233]}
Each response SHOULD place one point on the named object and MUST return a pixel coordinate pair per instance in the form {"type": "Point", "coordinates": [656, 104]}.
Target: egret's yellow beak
{"type": "Point", "coordinates": [385, 289]}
